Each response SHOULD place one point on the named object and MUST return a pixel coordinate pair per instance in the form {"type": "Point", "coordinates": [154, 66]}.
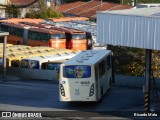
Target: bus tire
{"type": "Point", "coordinates": [101, 96]}
{"type": "Point", "coordinates": [110, 82]}
{"type": "Point", "coordinates": [101, 92]}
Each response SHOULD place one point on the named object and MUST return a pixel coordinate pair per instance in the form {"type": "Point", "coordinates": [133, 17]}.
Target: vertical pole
{"type": "Point", "coordinates": [121, 1]}
{"type": "Point", "coordinates": [113, 70]}
{"type": "Point", "coordinates": [147, 81]}
{"type": "Point", "coordinates": [133, 2]}
{"type": "Point", "coordinates": [4, 58]}
{"type": "Point", "coordinates": [25, 36]}
{"type": "Point", "coordinates": [101, 5]}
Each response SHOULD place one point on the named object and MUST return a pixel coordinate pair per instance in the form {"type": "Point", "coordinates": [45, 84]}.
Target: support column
{"type": "Point", "coordinates": [147, 81]}
{"type": "Point", "coordinates": [4, 58]}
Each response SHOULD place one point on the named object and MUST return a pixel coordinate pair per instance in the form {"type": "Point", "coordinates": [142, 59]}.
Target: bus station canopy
{"type": "Point", "coordinates": [138, 28]}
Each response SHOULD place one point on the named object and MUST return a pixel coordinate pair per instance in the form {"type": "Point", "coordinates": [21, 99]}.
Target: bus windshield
{"type": "Point", "coordinates": [77, 71]}
{"type": "Point", "coordinates": [58, 36]}
{"type": "Point", "coordinates": [30, 64]}
{"type": "Point", "coordinates": [78, 36]}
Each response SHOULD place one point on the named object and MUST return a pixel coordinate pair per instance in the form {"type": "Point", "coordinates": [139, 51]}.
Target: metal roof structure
{"type": "Point", "coordinates": [85, 26]}
{"type": "Point", "coordinates": [137, 12]}
{"type": "Point", "coordinates": [138, 28]}
{"type": "Point", "coordinates": [146, 5]}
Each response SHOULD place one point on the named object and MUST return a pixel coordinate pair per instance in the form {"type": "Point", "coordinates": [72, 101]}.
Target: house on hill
{"type": "Point", "coordinates": [23, 5]}
{"type": "Point", "coordinates": [69, 9]}
{"type": "Point", "coordinates": [89, 9]}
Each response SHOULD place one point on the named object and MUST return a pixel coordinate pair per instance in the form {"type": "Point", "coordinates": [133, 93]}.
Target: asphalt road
{"type": "Point", "coordinates": [43, 96]}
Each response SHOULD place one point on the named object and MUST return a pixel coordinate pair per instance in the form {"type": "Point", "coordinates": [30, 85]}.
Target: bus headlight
{"type": "Point", "coordinates": [91, 90]}
{"type": "Point", "coordinates": [62, 90]}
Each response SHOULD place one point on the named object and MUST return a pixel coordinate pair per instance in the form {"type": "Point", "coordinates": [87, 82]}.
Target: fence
{"type": "Point", "coordinates": [31, 73]}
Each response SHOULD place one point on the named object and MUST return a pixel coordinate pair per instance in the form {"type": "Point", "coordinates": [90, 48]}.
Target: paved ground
{"type": "Point", "coordinates": [43, 96]}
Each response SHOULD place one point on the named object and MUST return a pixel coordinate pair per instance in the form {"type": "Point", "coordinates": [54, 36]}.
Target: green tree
{"type": "Point", "coordinates": [131, 61]}
{"type": "Point", "coordinates": [128, 61]}
{"type": "Point", "coordinates": [44, 11]}
{"type": "Point", "coordinates": [12, 11]}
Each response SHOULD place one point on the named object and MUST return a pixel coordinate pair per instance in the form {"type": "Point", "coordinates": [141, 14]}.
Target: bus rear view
{"type": "Point", "coordinates": [86, 77]}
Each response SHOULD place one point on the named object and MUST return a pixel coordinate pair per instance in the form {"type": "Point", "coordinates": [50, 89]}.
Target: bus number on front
{"type": "Point", "coordinates": [85, 83]}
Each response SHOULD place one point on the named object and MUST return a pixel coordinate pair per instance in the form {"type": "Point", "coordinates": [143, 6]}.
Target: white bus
{"type": "Point", "coordinates": [86, 77]}
{"type": "Point", "coordinates": [48, 62]}
{"type": "Point", "coordinates": [41, 62]}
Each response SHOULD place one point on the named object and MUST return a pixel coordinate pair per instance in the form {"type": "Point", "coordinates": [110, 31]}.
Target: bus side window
{"type": "Point", "coordinates": [108, 62]}
{"type": "Point", "coordinates": [102, 68]}
{"type": "Point", "coordinates": [4, 28]}
{"type": "Point", "coordinates": [68, 36]}
{"type": "Point", "coordinates": [15, 63]}
{"type": "Point", "coordinates": [44, 66]}
{"type": "Point", "coordinates": [45, 37]}
{"type": "Point", "coordinates": [96, 73]}
{"type": "Point", "coordinates": [32, 35]}
{"type": "Point", "coordinates": [19, 32]}
{"type": "Point", "coordinates": [38, 36]}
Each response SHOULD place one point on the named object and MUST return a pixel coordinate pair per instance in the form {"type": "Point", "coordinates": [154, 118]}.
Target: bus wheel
{"type": "Point", "coordinates": [101, 95]}
{"type": "Point", "coordinates": [101, 92]}
{"type": "Point", "coordinates": [110, 82]}
{"type": "Point", "coordinates": [18, 42]}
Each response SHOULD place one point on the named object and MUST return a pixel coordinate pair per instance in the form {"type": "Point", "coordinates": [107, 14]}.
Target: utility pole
{"type": "Point", "coordinates": [4, 34]}
{"type": "Point", "coordinates": [121, 1]}
{"type": "Point", "coordinates": [101, 5]}
{"type": "Point", "coordinates": [133, 3]}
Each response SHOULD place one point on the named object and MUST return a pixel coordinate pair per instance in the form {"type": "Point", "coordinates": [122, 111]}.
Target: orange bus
{"type": "Point", "coordinates": [75, 39]}
{"type": "Point", "coordinates": [36, 36]}
{"type": "Point", "coordinates": [46, 37]}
